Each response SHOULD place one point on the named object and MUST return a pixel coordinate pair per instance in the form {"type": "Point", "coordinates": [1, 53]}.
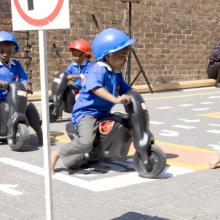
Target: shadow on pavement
{"type": "Point", "coordinates": [138, 216]}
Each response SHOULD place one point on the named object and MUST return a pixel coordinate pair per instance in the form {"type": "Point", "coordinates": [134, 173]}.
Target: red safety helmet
{"type": "Point", "coordinates": [81, 45]}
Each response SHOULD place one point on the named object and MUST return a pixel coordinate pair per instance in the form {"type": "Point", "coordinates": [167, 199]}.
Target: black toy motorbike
{"type": "Point", "coordinates": [16, 115]}
{"type": "Point", "coordinates": [62, 97]}
{"type": "Point", "coordinates": [117, 132]}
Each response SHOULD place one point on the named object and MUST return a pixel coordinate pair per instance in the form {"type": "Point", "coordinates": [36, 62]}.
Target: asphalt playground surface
{"type": "Point", "coordinates": [186, 125]}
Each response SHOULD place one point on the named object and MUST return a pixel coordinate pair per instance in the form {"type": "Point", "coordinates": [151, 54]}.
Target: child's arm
{"type": "Point", "coordinates": [103, 93]}
{"type": "Point", "coordinates": [75, 76]}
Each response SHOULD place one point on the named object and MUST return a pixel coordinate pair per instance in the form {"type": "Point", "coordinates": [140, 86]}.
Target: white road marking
{"type": "Point", "coordinates": [99, 185]}
{"type": "Point", "coordinates": [8, 188]}
{"type": "Point", "coordinates": [206, 103]}
{"type": "Point", "coordinates": [169, 133]}
{"type": "Point", "coordinates": [185, 105]}
{"type": "Point", "coordinates": [214, 97]}
{"type": "Point", "coordinates": [213, 131]}
{"type": "Point", "coordinates": [156, 123]}
{"type": "Point", "coordinates": [214, 146]}
{"type": "Point", "coordinates": [213, 124]}
{"type": "Point", "coordinates": [200, 109]}
{"type": "Point", "coordinates": [184, 127]}
{"type": "Point", "coordinates": [164, 107]}
{"type": "Point", "coordinates": [189, 120]}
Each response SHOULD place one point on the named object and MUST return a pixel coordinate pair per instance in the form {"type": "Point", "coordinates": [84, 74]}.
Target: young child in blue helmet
{"type": "Point", "coordinates": [10, 70]}
{"type": "Point", "coordinates": [104, 87]}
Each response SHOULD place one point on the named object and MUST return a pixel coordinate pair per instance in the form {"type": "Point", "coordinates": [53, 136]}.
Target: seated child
{"type": "Point", "coordinates": [10, 70]}
{"type": "Point", "coordinates": [81, 53]}
{"type": "Point", "coordinates": [104, 86]}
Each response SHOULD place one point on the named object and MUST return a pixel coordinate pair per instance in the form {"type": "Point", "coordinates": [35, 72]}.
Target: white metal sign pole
{"type": "Point", "coordinates": [45, 125]}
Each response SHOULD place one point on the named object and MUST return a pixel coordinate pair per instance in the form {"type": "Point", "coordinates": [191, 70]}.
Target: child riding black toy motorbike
{"type": "Point", "coordinates": [118, 131]}
{"type": "Point", "coordinates": [67, 85]}
{"type": "Point", "coordinates": [16, 115]}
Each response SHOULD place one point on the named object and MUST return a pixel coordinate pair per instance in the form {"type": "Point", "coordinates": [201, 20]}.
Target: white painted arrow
{"type": "Point", "coordinates": [8, 188]}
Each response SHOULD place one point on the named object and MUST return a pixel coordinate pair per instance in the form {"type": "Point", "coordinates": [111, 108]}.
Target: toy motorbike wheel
{"type": "Point", "coordinates": [34, 121]}
{"type": "Point", "coordinates": [156, 164]}
{"type": "Point", "coordinates": [21, 139]}
{"type": "Point", "coordinates": [53, 117]}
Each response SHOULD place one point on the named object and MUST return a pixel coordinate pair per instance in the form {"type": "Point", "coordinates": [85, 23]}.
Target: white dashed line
{"type": "Point", "coordinates": [9, 189]}
{"type": "Point", "coordinates": [184, 127]}
{"type": "Point", "coordinates": [215, 125]}
{"type": "Point", "coordinates": [213, 131]}
{"type": "Point", "coordinates": [164, 107]}
{"type": "Point", "coordinates": [200, 109]}
{"type": "Point", "coordinates": [214, 97]}
{"type": "Point", "coordinates": [169, 133]}
{"type": "Point", "coordinates": [156, 123]}
{"type": "Point", "coordinates": [185, 105]}
{"type": "Point", "coordinates": [214, 146]}
{"type": "Point", "coordinates": [206, 103]}
{"type": "Point", "coordinates": [189, 120]}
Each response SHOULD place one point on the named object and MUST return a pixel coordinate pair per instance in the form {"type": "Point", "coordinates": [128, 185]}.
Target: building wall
{"type": "Point", "coordinates": [174, 37]}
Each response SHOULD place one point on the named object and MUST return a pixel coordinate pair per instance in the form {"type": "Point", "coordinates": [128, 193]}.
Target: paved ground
{"type": "Point", "coordinates": [186, 124]}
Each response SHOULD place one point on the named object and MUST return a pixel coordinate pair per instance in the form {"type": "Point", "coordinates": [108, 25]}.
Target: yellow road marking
{"type": "Point", "coordinates": [187, 166]}
{"type": "Point", "coordinates": [197, 154]}
{"type": "Point", "coordinates": [185, 147]}
{"type": "Point", "coordinates": [61, 136]}
{"type": "Point", "coordinates": [211, 115]}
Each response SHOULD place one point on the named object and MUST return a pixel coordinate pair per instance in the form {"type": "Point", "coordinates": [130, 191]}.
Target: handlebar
{"type": "Point", "coordinates": [124, 102]}
{"type": "Point", "coordinates": [6, 86]}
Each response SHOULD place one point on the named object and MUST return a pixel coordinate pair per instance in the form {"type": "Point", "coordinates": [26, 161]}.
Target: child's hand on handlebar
{"type": "Point", "coordinates": [3, 85]}
{"type": "Point", "coordinates": [124, 99]}
{"type": "Point", "coordinates": [82, 77]}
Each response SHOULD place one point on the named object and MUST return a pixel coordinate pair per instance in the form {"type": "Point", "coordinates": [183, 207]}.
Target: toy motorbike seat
{"type": "Point", "coordinates": [115, 140]}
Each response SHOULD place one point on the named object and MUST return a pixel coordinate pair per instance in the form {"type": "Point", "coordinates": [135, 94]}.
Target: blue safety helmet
{"type": "Point", "coordinates": [8, 37]}
{"type": "Point", "coordinates": [108, 41]}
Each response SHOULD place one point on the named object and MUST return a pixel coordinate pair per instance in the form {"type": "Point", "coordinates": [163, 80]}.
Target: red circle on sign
{"type": "Point", "coordinates": [39, 22]}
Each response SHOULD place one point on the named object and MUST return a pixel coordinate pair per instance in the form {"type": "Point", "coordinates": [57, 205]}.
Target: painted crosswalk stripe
{"type": "Point", "coordinates": [98, 185]}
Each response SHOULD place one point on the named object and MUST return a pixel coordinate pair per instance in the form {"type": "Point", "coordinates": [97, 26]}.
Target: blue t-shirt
{"type": "Point", "coordinates": [9, 72]}
{"type": "Point", "coordinates": [76, 69]}
{"type": "Point", "coordinates": [100, 75]}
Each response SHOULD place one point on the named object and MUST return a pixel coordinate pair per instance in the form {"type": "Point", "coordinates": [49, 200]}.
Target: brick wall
{"type": "Point", "coordinates": [174, 37]}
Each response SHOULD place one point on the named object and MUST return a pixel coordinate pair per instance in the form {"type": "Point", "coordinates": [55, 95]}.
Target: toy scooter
{"type": "Point", "coordinates": [62, 97]}
{"type": "Point", "coordinates": [117, 132]}
{"type": "Point", "coordinates": [17, 115]}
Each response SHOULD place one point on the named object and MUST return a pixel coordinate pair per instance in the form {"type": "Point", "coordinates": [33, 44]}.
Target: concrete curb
{"type": "Point", "coordinates": [156, 87]}
{"type": "Point", "coordinates": [175, 85]}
